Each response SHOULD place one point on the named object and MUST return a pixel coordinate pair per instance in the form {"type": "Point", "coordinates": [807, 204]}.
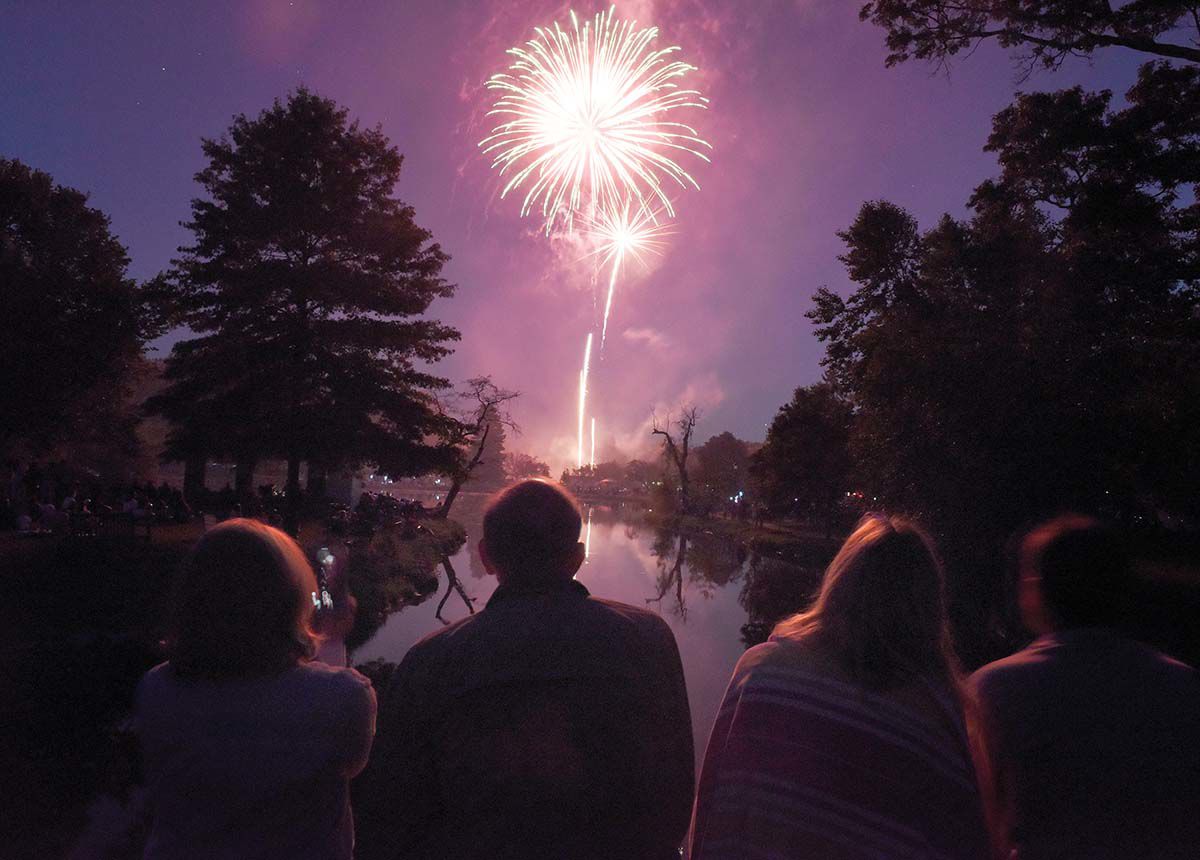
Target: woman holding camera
{"type": "Point", "coordinates": [249, 747]}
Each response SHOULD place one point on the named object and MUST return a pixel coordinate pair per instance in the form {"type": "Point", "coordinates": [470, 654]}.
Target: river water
{"type": "Point", "coordinates": [718, 597]}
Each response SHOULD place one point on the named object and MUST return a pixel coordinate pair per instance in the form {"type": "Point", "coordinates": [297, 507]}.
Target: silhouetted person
{"type": "Point", "coordinates": [843, 737]}
{"type": "Point", "coordinates": [1095, 737]}
{"type": "Point", "coordinates": [249, 748]}
{"type": "Point", "coordinates": [552, 724]}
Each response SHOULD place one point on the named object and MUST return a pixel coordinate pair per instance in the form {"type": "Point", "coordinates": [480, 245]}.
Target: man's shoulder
{"type": "Point", "coordinates": [618, 620]}
{"type": "Point", "coordinates": [155, 682]}
{"type": "Point", "coordinates": [1031, 661]}
{"type": "Point", "coordinates": [634, 614]}
{"type": "Point", "coordinates": [637, 620]}
{"type": "Point", "coordinates": [445, 639]}
{"type": "Point", "coordinates": [337, 680]}
{"type": "Point", "coordinates": [1063, 658]}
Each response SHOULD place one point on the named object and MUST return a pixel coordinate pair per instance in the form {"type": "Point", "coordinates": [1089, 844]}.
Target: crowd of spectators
{"type": "Point", "coordinates": [555, 724]}
{"type": "Point", "coordinates": [55, 498]}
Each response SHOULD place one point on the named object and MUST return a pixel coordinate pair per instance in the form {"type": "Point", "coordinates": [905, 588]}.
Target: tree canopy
{"type": "Point", "coordinates": [74, 322]}
{"type": "Point", "coordinates": [804, 465]}
{"type": "Point", "coordinates": [1048, 31]}
{"type": "Point", "coordinates": [1040, 354]}
{"type": "Point", "coordinates": [306, 287]}
{"type": "Point", "coordinates": [722, 469]}
{"type": "Point", "coordinates": [519, 465]}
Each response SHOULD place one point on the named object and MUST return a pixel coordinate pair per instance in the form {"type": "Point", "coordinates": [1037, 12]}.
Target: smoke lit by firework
{"type": "Point", "coordinates": [589, 131]}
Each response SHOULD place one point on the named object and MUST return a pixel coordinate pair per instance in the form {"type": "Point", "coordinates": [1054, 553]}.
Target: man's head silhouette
{"type": "Point", "coordinates": [1075, 572]}
{"type": "Point", "coordinates": [531, 534]}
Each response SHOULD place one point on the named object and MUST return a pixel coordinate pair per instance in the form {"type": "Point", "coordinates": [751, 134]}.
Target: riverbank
{"type": "Point", "coordinates": [782, 538]}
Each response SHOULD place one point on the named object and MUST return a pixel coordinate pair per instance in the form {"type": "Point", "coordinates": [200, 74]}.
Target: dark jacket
{"type": "Point", "coordinates": [551, 724]}
{"type": "Point", "coordinates": [1096, 744]}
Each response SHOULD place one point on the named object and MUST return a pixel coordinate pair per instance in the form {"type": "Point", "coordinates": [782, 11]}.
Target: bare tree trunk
{"type": "Point", "coordinates": [443, 510]}
{"type": "Point", "coordinates": [194, 469]}
{"type": "Point", "coordinates": [461, 477]}
{"type": "Point", "coordinates": [291, 506]}
{"type": "Point", "coordinates": [674, 576]}
{"type": "Point", "coordinates": [244, 477]}
{"type": "Point", "coordinates": [317, 478]}
{"type": "Point", "coordinates": [453, 584]}
{"type": "Point", "coordinates": [679, 452]}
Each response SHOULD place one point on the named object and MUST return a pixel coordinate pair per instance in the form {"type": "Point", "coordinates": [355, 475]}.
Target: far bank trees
{"type": "Point", "coordinates": [720, 472]}
{"type": "Point", "coordinates": [803, 468]}
{"type": "Point", "coordinates": [518, 465]}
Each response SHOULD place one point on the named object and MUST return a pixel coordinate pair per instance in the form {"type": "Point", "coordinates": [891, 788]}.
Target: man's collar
{"type": "Point", "coordinates": [1082, 635]}
{"type": "Point", "coordinates": [565, 588]}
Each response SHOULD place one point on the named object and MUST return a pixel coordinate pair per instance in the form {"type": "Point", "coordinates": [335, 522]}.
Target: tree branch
{"type": "Point", "coordinates": [453, 584]}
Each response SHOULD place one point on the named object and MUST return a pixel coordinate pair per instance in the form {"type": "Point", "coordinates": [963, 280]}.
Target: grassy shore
{"type": "Point", "coordinates": [784, 538]}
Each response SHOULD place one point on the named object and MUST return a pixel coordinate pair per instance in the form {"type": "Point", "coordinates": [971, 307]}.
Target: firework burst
{"type": "Point", "coordinates": [589, 130]}
{"type": "Point", "coordinates": [630, 231]}
{"type": "Point", "coordinates": [586, 119]}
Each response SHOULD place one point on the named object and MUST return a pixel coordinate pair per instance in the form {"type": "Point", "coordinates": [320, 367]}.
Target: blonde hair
{"type": "Point", "coordinates": [881, 613]}
{"type": "Point", "coordinates": [881, 609]}
{"type": "Point", "coordinates": [244, 604]}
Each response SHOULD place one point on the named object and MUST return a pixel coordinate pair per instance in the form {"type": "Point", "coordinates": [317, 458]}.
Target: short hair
{"type": "Point", "coordinates": [881, 609]}
{"type": "Point", "coordinates": [243, 605]}
{"type": "Point", "coordinates": [1083, 567]}
{"type": "Point", "coordinates": [530, 529]}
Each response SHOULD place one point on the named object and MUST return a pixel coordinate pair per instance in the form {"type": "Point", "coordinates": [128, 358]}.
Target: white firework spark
{"type": "Point", "coordinates": [630, 231]}
{"type": "Point", "coordinates": [586, 119]}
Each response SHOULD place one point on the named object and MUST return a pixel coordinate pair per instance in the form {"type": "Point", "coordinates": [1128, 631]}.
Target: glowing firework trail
{"type": "Point", "coordinates": [583, 380]}
{"type": "Point", "coordinates": [592, 461]}
{"type": "Point", "coordinates": [588, 127]}
{"type": "Point", "coordinates": [629, 230]}
{"type": "Point", "coordinates": [585, 119]}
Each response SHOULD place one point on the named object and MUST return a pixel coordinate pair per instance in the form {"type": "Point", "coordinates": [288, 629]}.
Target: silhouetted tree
{"type": "Point", "coordinates": [1040, 354]}
{"type": "Point", "coordinates": [640, 473]}
{"type": "Point", "coordinates": [305, 287]}
{"type": "Point", "coordinates": [804, 465]}
{"type": "Point", "coordinates": [721, 470]}
{"type": "Point", "coordinates": [1048, 31]}
{"type": "Point", "coordinates": [73, 323]}
{"type": "Point", "coordinates": [519, 465]}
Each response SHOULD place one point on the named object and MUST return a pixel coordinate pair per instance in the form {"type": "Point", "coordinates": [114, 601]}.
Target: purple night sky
{"type": "Point", "coordinates": [806, 124]}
